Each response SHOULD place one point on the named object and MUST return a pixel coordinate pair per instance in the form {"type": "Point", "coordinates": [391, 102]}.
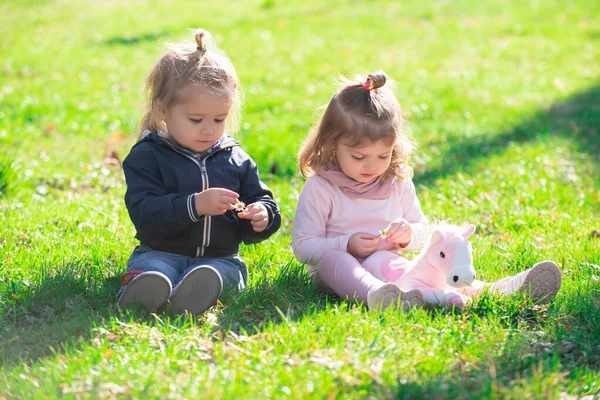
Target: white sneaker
{"type": "Point", "coordinates": [389, 295]}
{"type": "Point", "coordinates": [198, 291]}
{"type": "Point", "coordinates": [541, 282]}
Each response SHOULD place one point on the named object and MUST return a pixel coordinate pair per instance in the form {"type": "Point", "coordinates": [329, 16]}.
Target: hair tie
{"type": "Point", "coordinates": [202, 49]}
{"type": "Point", "coordinates": [367, 85]}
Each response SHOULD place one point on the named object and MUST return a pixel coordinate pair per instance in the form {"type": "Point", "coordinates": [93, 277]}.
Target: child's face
{"type": "Point", "coordinates": [366, 161]}
{"type": "Point", "coordinates": [197, 120]}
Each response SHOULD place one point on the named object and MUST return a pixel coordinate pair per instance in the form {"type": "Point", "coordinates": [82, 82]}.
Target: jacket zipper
{"type": "Point", "coordinates": [205, 185]}
{"type": "Point", "coordinates": [207, 218]}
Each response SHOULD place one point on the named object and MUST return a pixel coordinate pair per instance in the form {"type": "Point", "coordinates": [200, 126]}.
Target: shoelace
{"type": "Point", "coordinates": [129, 275]}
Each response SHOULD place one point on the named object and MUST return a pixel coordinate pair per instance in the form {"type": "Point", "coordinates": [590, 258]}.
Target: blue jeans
{"type": "Point", "coordinates": [233, 270]}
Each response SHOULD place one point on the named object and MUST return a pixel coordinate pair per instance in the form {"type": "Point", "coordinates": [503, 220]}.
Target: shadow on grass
{"type": "Point", "coordinates": [134, 40]}
{"type": "Point", "coordinates": [577, 119]}
{"type": "Point", "coordinates": [37, 320]}
{"type": "Point", "coordinates": [288, 296]}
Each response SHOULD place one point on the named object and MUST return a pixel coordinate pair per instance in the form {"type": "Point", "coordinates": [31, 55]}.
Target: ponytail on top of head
{"type": "Point", "coordinates": [202, 64]}
{"type": "Point", "coordinates": [362, 109]}
{"type": "Point", "coordinates": [375, 81]}
{"type": "Point", "coordinates": [201, 37]}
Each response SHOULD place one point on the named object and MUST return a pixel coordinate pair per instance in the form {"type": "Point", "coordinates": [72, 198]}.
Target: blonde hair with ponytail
{"type": "Point", "coordinates": [202, 64]}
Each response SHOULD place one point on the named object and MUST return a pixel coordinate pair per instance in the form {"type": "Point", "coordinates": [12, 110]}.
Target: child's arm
{"type": "Point", "coordinates": [309, 241]}
{"type": "Point", "coordinates": [253, 190]}
{"type": "Point", "coordinates": [151, 208]}
{"type": "Point", "coordinates": [411, 211]}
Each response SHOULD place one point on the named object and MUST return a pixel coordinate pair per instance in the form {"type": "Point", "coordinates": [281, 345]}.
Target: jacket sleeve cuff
{"type": "Point", "coordinates": [191, 206]}
{"type": "Point", "coordinates": [271, 216]}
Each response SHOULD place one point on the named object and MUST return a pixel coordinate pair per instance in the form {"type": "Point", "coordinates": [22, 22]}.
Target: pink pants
{"type": "Point", "coordinates": [351, 279]}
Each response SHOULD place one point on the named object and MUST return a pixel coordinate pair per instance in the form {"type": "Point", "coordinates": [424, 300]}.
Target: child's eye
{"type": "Point", "coordinates": [219, 121]}
{"type": "Point", "coordinates": [196, 121]}
{"type": "Point", "coordinates": [358, 158]}
{"type": "Point", "coordinates": [384, 157]}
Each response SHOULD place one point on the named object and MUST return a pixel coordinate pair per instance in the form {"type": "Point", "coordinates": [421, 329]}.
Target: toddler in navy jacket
{"type": "Point", "coordinates": [192, 193]}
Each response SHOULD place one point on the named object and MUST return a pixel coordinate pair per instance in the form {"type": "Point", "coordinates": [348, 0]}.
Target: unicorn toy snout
{"type": "Point", "coordinates": [460, 277]}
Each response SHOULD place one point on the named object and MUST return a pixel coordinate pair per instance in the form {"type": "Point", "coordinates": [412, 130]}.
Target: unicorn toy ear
{"type": "Point", "coordinates": [436, 236]}
{"type": "Point", "coordinates": [469, 230]}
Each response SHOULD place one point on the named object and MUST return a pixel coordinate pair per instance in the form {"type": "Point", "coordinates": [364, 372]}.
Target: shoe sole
{"type": "Point", "coordinates": [197, 292]}
{"type": "Point", "coordinates": [150, 290]}
{"type": "Point", "coordinates": [412, 298]}
{"type": "Point", "coordinates": [392, 294]}
{"type": "Point", "coordinates": [542, 282]}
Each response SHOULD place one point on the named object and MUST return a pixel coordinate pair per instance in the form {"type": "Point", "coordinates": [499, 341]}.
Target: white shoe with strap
{"type": "Point", "coordinates": [541, 282]}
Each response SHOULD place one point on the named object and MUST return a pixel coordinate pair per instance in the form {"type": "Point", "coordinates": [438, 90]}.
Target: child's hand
{"type": "Point", "coordinates": [399, 232]}
{"type": "Point", "coordinates": [257, 214]}
{"type": "Point", "coordinates": [362, 244]}
{"type": "Point", "coordinates": [215, 201]}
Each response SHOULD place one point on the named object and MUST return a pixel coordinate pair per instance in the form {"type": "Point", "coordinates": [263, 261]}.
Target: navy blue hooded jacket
{"type": "Point", "coordinates": [161, 183]}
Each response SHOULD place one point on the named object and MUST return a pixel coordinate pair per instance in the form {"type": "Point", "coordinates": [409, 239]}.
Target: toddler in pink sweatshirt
{"type": "Point", "coordinates": [359, 209]}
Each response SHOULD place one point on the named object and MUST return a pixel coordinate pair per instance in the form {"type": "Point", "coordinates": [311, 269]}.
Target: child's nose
{"type": "Point", "coordinates": [207, 128]}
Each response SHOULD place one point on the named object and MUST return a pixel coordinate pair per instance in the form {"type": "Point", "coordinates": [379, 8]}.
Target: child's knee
{"type": "Point", "coordinates": [156, 266]}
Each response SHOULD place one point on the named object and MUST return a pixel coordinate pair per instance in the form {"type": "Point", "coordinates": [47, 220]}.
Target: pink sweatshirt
{"type": "Point", "coordinates": [326, 218]}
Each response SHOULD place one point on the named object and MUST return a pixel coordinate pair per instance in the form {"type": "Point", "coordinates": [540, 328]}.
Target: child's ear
{"type": "Point", "coordinates": [160, 110]}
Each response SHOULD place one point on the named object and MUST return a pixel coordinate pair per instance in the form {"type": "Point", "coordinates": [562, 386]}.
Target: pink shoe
{"type": "Point", "coordinates": [541, 282]}
{"type": "Point", "coordinates": [389, 295]}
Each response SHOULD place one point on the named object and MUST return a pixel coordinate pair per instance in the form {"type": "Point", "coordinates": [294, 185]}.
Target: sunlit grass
{"type": "Point", "coordinates": [503, 100]}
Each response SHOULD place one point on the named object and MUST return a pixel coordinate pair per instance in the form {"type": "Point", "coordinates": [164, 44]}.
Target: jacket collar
{"type": "Point", "coordinates": [225, 142]}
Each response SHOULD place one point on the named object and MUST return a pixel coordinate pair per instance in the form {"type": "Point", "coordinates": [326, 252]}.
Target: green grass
{"type": "Point", "coordinates": [503, 98]}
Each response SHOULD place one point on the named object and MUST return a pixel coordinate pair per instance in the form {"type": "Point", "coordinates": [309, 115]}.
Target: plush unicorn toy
{"type": "Point", "coordinates": [444, 264]}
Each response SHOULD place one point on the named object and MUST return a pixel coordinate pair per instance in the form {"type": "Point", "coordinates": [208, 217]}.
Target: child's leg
{"type": "Point", "coordinates": [377, 262]}
{"type": "Point", "coordinates": [343, 274]}
{"type": "Point", "coordinates": [475, 290]}
{"type": "Point", "coordinates": [348, 279]}
{"type": "Point", "coordinates": [146, 259]}
{"type": "Point", "coordinates": [149, 278]}
{"type": "Point", "coordinates": [541, 282]}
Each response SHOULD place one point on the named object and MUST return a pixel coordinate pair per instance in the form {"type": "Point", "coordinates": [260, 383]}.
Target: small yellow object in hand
{"type": "Point", "coordinates": [383, 233]}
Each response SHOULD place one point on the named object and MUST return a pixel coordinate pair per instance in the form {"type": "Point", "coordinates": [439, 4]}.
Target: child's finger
{"type": "Point", "coordinates": [258, 223]}
{"type": "Point", "coordinates": [252, 213]}
{"type": "Point", "coordinates": [374, 241]}
{"type": "Point", "coordinates": [226, 199]}
{"type": "Point", "coordinates": [368, 236]}
{"type": "Point", "coordinates": [403, 226]}
{"type": "Point", "coordinates": [371, 243]}
{"type": "Point", "coordinates": [228, 193]}
{"type": "Point", "coordinates": [391, 228]}
{"type": "Point", "coordinates": [226, 203]}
